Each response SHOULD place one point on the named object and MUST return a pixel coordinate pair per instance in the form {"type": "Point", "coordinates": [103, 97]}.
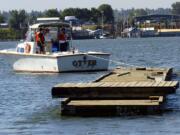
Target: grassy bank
{"type": "Point", "coordinates": [11, 34]}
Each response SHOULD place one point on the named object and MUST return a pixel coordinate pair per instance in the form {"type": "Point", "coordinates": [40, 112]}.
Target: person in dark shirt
{"type": "Point", "coordinates": [63, 40]}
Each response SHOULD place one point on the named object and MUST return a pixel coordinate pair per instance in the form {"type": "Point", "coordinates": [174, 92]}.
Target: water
{"type": "Point", "coordinates": [26, 106]}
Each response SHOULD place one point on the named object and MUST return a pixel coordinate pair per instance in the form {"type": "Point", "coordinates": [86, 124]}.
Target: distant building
{"type": "Point", "coordinates": [131, 32]}
{"type": "Point", "coordinates": [154, 26]}
{"type": "Point", "coordinates": [81, 34]}
{"type": "Point", "coordinates": [48, 19]}
{"type": "Point", "coordinates": [89, 23]}
{"type": "Point", "coordinates": [158, 21]}
{"type": "Point", "coordinates": [70, 18]}
{"type": "Point", "coordinates": [73, 20]}
{"type": "Point", "coordinates": [4, 25]}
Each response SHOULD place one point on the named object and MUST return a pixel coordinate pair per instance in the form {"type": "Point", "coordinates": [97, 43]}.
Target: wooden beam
{"type": "Point", "coordinates": [114, 90]}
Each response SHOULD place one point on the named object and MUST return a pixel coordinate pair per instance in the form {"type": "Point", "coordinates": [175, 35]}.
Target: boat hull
{"type": "Point", "coordinates": [61, 63]}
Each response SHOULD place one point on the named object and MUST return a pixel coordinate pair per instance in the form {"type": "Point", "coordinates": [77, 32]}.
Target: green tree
{"type": "Point", "coordinates": [18, 19]}
{"type": "Point", "coordinates": [95, 15]}
{"type": "Point", "coordinates": [140, 12]}
{"type": "Point", "coordinates": [52, 13]}
{"type": "Point", "coordinates": [137, 12]}
{"type": "Point", "coordinates": [14, 22]}
{"type": "Point", "coordinates": [82, 14]}
{"type": "Point", "coordinates": [133, 13]}
{"type": "Point", "coordinates": [68, 12]}
{"type": "Point", "coordinates": [22, 18]}
{"type": "Point", "coordinates": [176, 8]}
{"type": "Point", "coordinates": [1, 18]}
{"type": "Point", "coordinates": [107, 12]}
{"type": "Point", "coordinates": [34, 15]}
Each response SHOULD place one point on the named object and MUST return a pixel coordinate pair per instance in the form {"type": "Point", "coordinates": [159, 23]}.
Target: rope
{"type": "Point", "coordinates": [114, 61]}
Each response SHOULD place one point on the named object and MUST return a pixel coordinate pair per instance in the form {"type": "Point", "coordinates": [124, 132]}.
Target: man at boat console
{"type": "Point", "coordinates": [40, 41]}
{"type": "Point", "coordinates": [63, 40]}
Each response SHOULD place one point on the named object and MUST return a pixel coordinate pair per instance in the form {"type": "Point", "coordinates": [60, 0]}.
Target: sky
{"type": "Point", "coordinates": [41, 5]}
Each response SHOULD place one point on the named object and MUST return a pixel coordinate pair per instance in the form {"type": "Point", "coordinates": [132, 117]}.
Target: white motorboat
{"type": "Point", "coordinates": [103, 36]}
{"type": "Point", "coordinates": [54, 60]}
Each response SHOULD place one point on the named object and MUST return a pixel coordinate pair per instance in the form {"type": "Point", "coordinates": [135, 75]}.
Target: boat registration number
{"type": "Point", "coordinates": [84, 63]}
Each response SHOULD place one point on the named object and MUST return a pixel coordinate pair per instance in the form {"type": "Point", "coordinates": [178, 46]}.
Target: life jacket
{"type": "Point", "coordinates": [40, 37]}
{"type": "Point", "coordinates": [27, 48]}
{"type": "Point", "coordinates": [37, 36]}
{"type": "Point", "coordinates": [62, 38]}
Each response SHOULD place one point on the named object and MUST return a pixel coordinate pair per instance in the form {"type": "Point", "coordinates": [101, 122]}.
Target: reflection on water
{"type": "Point", "coordinates": [26, 106]}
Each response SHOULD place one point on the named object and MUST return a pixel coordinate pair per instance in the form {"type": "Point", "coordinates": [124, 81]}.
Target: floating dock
{"type": "Point", "coordinates": [122, 91]}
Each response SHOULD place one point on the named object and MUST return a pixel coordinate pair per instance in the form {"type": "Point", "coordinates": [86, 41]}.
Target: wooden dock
{"type": "Point", "coordinates": [152, 101]}
{"type": "Point", "coordinates": [114, 89]}
{"type": "Point", "coordinates": [123, 87]}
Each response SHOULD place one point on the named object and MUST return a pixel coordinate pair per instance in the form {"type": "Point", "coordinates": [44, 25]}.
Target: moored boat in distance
{"type": "Point", "coordinates": [54, 59]}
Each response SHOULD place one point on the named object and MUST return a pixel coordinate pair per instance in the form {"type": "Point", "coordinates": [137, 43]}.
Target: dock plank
{"type": "Point", "coordinates": [99, 84]}
{"type": "Point", "coordinates": [123, 84]}
{"type": "Point", "coordinates": [156, 84]}
{"type": "Point", "coordinates": [174, 83]}
{"type": "Point", "coordinates": [132, 84]}
{"type": "Point", "coordinates": [137, 102]}
{"type": "Point", "coordinates": [168, 83]}
{"type": "Point", "coordinates": [152, 83]}
{"type": "Point", "coordinates": [138, 84]}
{"type": "Point", "coordinates": [147, 84]}
{"type": "Point", "coordinates": [161, 84]}
{"type": "Point", "coordinates": [127, 84]}
{"type": "Point", "coordinates": [115, 84]}
{"type": "Point", "coordinates": [141, 84]}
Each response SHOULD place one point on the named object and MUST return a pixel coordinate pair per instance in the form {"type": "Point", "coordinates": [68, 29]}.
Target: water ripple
{"type": "Point", "coordinates": [26, 106]}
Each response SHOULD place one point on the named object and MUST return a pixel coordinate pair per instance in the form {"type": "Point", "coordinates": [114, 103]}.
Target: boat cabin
{"type": "Point", "coordinates": [51, 33]}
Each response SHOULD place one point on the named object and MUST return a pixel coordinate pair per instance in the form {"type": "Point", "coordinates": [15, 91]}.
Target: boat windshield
{"type": "Point", "coordinates": [30, 36]}
{"type": "Point", "coordinates": [56, 37]}
{"type": "Point", "coordinates": [50, 34]}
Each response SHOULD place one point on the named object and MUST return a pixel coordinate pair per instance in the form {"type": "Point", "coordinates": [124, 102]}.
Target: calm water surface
{"type": "Point", "coordinates": [26, 106]}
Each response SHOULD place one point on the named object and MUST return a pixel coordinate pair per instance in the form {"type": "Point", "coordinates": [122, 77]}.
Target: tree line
{"type": "Point", "coordinates": [19, 20]}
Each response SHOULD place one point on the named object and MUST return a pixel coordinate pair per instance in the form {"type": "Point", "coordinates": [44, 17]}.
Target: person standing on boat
{"type": "Point", "coordinates": [48, 40]}
{"type": "Point", "coordinates": [40, 41]}
{"type": "Point", "coordinates": [63, 40]}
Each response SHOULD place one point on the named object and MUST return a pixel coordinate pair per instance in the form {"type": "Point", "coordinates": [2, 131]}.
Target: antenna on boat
{"type": "Point", "coordinates": [102, 13]}
{"type": "Point", "coordinates": [71, 43]}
